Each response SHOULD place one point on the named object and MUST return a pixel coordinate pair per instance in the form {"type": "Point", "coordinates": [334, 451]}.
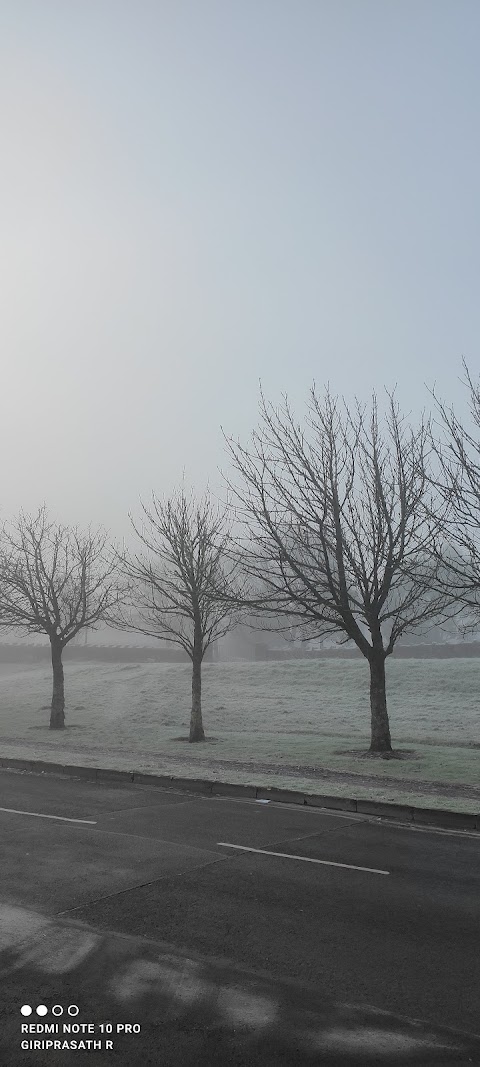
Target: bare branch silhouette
{"type": "Point", "coordinates": [182, 582]}
{"type": "Point", "coordinates": [55, 580]}
{"type": "Point", "coordinates": [458, 483]}
{"type": "Point", "coordinates": [338, 536]}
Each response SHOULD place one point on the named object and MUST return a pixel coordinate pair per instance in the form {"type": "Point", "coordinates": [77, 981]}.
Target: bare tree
{"type": "Point", "coordinates": [182, 584]}
{"type": "Point", "coordinates": [458, 483]}
{"type": "Point", "coordinates": [55, 580]}
{"type": "Point", "coordinates": [338, 537]}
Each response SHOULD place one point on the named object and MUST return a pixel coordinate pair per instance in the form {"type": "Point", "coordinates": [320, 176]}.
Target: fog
{"type": "Point", "coordinates": [198, 196]}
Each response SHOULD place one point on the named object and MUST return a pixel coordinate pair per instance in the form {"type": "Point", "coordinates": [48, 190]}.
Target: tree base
{"type": "Point", "coordinates": [57, 720]}
{"type": "Point", "coordinates": [362, 753]}
{"type": "Point", "coordinates": [197, 738]}
{"type": "Point", "coordinates": [381, 753]}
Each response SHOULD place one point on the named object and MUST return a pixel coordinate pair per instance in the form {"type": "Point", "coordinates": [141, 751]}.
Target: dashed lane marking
{"type": "Point", "coordinates": [39, 815]}
{"type": "Point", "coordinates": [305, 859]}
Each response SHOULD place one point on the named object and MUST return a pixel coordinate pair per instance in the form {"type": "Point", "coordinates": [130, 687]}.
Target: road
{"type": "Point", "coordinates": [233, 930]}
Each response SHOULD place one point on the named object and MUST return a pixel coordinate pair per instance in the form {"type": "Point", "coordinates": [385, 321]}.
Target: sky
{"type": "Point", "coordinates": [200, 195]}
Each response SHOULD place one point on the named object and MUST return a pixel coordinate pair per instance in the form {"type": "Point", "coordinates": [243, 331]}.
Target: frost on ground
{"type": "Point", "coordinates": [301, 724]}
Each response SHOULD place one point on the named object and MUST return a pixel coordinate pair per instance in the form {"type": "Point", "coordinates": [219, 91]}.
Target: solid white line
{"type": "Point", "coordinates": [38, 815]}
{"type": "Point", "coordinates": [306, 859]}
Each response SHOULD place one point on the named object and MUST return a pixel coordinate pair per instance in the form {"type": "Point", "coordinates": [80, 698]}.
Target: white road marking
{"type": "Point", "coordinates": [38, 815]}
{"type": "Point", "coordinates": [306, 859]}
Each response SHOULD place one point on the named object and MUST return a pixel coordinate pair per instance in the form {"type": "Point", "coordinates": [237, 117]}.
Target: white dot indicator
{"type": "Point", "coordinates": [42, 1009]}
{"type": "Point", "coordinates": [26, 1009]}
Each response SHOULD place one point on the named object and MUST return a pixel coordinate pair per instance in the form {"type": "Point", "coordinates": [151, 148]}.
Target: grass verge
{"type": "Point", "coordinates": [427, 775]}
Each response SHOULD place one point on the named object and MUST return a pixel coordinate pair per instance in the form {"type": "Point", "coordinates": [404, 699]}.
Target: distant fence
{"type": "Point", "coordinates": [468, 649]}
{"type": "Point", "coordinates": [92, 653]}
{"type": "Point", "coordinates": [25, 653]}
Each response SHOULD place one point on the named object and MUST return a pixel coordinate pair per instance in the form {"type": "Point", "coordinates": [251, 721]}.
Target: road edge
{"type": "Point", "coordinates": [441, 817]}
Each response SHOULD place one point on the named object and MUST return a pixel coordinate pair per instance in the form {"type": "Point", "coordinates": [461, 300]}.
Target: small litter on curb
{"type": "Point", "coordinates": [262, 801]}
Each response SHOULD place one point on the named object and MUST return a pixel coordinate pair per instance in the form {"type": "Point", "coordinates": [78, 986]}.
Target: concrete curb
{"type": "Point", "coordinates": [452, 820]}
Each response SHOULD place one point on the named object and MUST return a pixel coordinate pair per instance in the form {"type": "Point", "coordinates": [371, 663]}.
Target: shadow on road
{"type": "Point", "coordinates": [190, 1012]}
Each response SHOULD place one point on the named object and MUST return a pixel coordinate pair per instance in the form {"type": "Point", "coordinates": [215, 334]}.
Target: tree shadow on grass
{"type": "Point", "coordinates": [396, 754]}
{"type": "Point", "coordinates": [68, 726]}
{"type": "Point", "coordinates": [206, 740]}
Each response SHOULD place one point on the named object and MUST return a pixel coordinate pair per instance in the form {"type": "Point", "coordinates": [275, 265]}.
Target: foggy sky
{"type": "Point", "coordinates": [198, 195]}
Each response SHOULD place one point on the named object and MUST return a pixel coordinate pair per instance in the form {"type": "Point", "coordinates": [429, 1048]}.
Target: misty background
{"type": "Point", "coordinates": [199, 196]}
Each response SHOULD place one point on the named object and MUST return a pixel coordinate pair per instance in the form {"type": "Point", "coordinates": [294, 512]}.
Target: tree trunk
{"type": "Point", "coordinates": [380, 728]}
{"type": "Point", "coordinates": [196, 725]}
{"type": "Point", "coordinates": [57, 714]}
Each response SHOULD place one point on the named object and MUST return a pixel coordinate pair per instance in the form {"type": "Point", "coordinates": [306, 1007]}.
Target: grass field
{"type": "Point", "coordinates": [283, 723]}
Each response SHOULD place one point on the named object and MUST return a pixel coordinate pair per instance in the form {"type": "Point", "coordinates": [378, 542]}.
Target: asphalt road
{"type": "Point", "coordinates": [290, 947]}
